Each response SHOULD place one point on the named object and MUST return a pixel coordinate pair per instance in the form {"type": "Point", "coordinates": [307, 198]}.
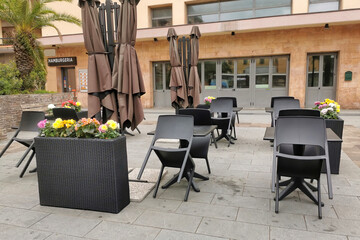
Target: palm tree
{"type": "Point", "coordinates": [28, 17]}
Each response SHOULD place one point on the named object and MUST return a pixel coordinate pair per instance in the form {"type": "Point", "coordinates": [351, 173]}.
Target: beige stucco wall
{"type": "Point", "coordinates": [300, 6]}
{"type": "Point", "coordinates": [349, 4]}
{"type": "Point", "coordinates": [1, 32]}
{"type": "Point", "coordinates": [296, 42]}
{"type": "Point", "coordinates": [65, 28]}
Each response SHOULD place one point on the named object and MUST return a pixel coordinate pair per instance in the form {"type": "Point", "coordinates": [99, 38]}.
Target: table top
{"type": "Point", "coordinates": [331, 136]}
{"type": "Point", "coordinates": [237, 109]}
{"type": "Point", "coordinates": [199, 131]}
{"type": "Point", "coordinates": [269, 109]}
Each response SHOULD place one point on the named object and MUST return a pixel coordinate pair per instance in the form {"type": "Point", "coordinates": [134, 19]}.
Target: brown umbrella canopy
{"type": "Point", "coordinates": [99, 73]}
{"type": "Point", "coordinates": [177, 78]}
{"type": "Point", "coordinates": [127, 77]}
{"type": "Point", "coordinates": [194, 85]}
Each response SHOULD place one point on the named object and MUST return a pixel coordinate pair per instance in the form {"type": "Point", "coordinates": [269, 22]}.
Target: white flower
{"type": "Point", "coordinates": [330, 109]}
{"type": "Point", "coordinates": [324, 111]}
{"type": "Point", "coordinates": [51, 106]}
{"type": "Point", "coordinates": [332, 105]}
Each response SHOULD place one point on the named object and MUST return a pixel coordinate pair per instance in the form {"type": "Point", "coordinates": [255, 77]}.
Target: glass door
{"type": "Point", "coordinates": [321, 78]}
{"type": "Point", "coordinates": [161, 75]}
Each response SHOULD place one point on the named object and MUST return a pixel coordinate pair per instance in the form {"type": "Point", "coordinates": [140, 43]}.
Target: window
{"type": "Point", "coordinates": [323, 5]}
{"type": "Point", "coordinates": [236, 9]}
{"type": "Point", "coordinates": [210, 74]}
{"type": "Point", "coordinates": [279, 72]}
{"type": "Point", "coordinates": [161, 17]}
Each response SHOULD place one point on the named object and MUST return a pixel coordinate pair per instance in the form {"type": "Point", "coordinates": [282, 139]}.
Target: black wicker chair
{"type": "Point", "coordinates": [179, 127]}
{"type": "Point", "coordinates": [25, 135]}
{"type": "Point", "coordinates": [300, 146]}
{"type": "Point", "coordinates": [200, 145]}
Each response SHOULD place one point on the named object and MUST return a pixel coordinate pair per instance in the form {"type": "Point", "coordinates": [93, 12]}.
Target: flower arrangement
{"type": "Point", "coordinates": [208, 100]}
{"type": "Point", "coordinates": [72, 104]}
{"type": "Point", "coordinates": [329, 109]}
{"type": "Point", "coordinates": [50, 109]}
{"type": "Point", "coordinates": [84, 128]}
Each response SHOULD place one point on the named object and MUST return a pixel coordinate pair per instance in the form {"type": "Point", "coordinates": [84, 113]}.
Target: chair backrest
{"type": "Point", "coordinates": [221, 106]}
{"type": "Point", "coordinates": [299, 112]}
{"type": "Point", "coordinates": [65, 113]}
{"type": "Point", "coordinates": [279, 97]}
{"type": "Point", "coordinates": [175, 127]}
{"type": "Point", "coordinates": [201, 116]}
{"type": "Point", "coordinates": [284, 103]}
{"type": "Point", "coordinates": [300, 130]}
{"type": "Point", "coordinates": [30, 119]}
{"type": "Point", "coordinates": [232, 98]}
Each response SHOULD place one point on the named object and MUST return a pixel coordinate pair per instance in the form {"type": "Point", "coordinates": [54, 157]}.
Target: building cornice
{"type": "Point", "coordinates": [247, 25]}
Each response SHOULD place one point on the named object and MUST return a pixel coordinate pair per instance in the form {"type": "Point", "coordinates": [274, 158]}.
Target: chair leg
{"type": "Point", "coordinates": [25, 154]}
{"type": "Point", "coordinates": [191, 176]}
{"type": "Point", "coordinates": [158, 181]}
{"type": "Point", "coordinates": [208, 165]}
{"type": "Point", "coordinates": [277, 196]}
{"type": "Point", "coordinates": [319, 199]}
{"type": "Point", "coordinates": [234, 132]}
{"type": "Point", "coordinates": [6, 147]}
{"type": "Point", "coordinates": [213, 138]}
{"type": "Point", "coordinates": [237, 116]}
{"type": "Point", "coordinates": [27, 164]}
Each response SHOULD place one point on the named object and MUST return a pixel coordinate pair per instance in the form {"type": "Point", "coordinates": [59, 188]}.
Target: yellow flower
{"type": "Point", "coordinates": [58, 123]}
{"type": "Point", "coordinates": [78, 104]}
{"type": "Point", "coordinates": [67, 106]}
{"type": "Point", "coordinates": [103, 128]}
{"type": "Point", "coordinates": [112, 124]}
{"type": "Point", "coordinates": [69, 123]}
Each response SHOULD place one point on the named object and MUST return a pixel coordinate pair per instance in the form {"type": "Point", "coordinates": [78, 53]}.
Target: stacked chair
{"type": "Point", "coordinates": [25, 135]}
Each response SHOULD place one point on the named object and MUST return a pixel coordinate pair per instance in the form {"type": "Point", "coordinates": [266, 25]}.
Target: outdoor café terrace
{"type": "Point", "coordinates": [235, 203]}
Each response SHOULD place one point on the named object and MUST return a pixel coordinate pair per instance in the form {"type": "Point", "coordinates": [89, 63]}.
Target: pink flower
{"type": "Point", "coordinates": [42, 124]}
{"type": "Point", "coordinates": [317, 103]}
{"type": "Point", "coordinates": [103, 128]}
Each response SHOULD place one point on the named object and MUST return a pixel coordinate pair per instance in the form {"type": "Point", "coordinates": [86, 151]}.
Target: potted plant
{"type": "Point", "coordinates": [329, 110]}
{"type": "Point", "coordinates": [72, 104]}
{"type": "Point", "coordinates": [82, 165]}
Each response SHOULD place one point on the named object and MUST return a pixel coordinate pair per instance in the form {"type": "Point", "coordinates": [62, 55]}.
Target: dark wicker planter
{"type": "Point", "coordinates": [87, 174]}
{"type": "Point", "coordinates": [337, 125]}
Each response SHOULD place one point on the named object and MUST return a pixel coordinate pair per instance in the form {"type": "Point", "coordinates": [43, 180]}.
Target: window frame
{"type": "Point", "coordinates": [161, 18]}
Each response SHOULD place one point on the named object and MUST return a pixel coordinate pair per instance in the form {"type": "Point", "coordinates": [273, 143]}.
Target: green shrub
{"type": "Point", "coordinates": [42, 92]}
{"type": "Point", "coordinates": [10, 82]}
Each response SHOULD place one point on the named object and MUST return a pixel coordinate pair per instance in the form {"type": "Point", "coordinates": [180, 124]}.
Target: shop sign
{"type": "Point", "coordinates": [61, 61]}
{"type": "Point", "coordinates": [83, 79]}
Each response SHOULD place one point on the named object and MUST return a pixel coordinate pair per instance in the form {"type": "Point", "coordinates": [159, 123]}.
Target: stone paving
{"type": "Point", "coordinates": [235, 203]}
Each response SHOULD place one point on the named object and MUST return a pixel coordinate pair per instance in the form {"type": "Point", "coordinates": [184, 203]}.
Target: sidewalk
{"type": "Point", "coordinates": [235, 203]}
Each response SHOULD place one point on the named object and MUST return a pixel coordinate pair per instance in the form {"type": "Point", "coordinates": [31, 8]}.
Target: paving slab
{"type": "Point", "coordinates": [120, 231]}
{"type": "Point", "coordinates": [233, 230]}
{"type": "Point", "coordinates": [175, 235]}
{"type": "Point", "coordinates": [171, 221]}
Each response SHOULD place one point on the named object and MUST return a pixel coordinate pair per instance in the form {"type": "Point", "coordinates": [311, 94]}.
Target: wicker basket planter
{"type": "Point", "coordinates": [87, 174]}
{"type": "Point", "coordinates": [337, 125]}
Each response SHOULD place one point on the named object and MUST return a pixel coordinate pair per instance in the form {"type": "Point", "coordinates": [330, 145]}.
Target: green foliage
{"type": "Point", "coordinates": [10, 81]}
{"type": "Point", "coordinates": [28, 18]}
{"type": "Point", "coordinates": [43, 92]}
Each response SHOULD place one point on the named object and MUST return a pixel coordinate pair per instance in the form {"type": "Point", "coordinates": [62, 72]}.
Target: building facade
{"type": "Point", "coordinates": [250, 49]}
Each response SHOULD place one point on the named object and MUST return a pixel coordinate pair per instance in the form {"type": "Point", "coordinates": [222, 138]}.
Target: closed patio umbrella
{"type": "Point", "coordinates": [127, 77]}
{"type": "Point", "coordinates": [99, 73]}
{"type": "Point", "coordinates": [194, 86]}
{"type": "Point", "coordinates": [177, 78]}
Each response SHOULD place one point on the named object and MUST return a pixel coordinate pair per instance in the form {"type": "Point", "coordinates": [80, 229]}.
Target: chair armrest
{"type": "Point", "coordinates": [284, 155]}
